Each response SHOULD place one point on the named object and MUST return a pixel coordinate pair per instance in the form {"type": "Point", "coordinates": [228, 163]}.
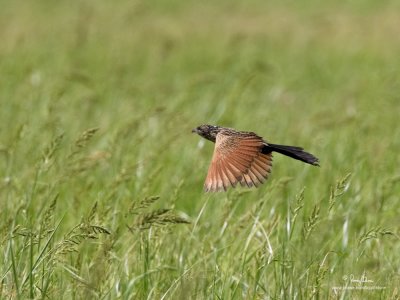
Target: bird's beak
{"type": "Point", "coordinates": [194, 130]}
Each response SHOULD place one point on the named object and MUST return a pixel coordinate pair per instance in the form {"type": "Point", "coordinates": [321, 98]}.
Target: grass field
{"type": "Point", "coordinates": [101, 178]}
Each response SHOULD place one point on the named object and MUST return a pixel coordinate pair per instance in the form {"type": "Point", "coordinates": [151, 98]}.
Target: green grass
{"type": "Point", "coordinates": [101, 179]}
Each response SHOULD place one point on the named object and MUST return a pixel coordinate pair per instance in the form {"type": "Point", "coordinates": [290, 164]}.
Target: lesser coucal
{"type": "Point", "coordinates": [243, 157]}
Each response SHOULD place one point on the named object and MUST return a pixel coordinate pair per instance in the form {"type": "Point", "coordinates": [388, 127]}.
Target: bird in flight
{"type": "Point", "coordinates": [243, 157]}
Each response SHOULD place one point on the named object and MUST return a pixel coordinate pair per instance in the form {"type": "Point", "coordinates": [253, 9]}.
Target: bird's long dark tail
{"type": "Point", "coordinates": [292, 151]}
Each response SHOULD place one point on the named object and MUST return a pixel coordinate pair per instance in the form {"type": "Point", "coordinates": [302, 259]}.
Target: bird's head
{"type": "Point", "coordinates": [208, 132]}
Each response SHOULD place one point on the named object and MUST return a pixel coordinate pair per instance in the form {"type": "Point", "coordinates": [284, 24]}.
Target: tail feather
{"type": "Point", "coordinates": [293, 152]}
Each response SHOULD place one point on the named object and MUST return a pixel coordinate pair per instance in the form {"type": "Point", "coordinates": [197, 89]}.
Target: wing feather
{"type": "Point", "coordinates": [237, 159]}
{"type": "Point", "coordinates": [257, 173]}
{"type": "Point", "coordinates": [222, 181]}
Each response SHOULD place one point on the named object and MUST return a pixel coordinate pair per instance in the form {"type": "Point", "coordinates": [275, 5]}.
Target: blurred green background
{"type": "Point", "coordinates": [98, 165]}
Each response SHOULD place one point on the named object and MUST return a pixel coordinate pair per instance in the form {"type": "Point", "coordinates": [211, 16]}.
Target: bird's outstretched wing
{"type": "Point", "coordinates": [237, 158]}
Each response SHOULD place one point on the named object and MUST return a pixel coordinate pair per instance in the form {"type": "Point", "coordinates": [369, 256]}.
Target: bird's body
{"type": "Point", "coordinates": [243, 157]}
